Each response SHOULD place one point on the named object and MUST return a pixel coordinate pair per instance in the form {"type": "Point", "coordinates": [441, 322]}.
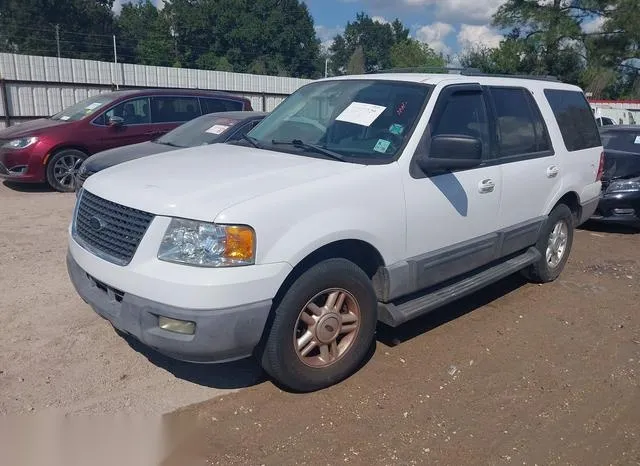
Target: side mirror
{"type": "Point", "coordinates": [451, 152]}
{"type": "Point", "coordinates": [116, 121]}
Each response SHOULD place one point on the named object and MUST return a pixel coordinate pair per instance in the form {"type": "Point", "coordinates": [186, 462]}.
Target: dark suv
{"type": "Point", "coordinates": [51, 149]}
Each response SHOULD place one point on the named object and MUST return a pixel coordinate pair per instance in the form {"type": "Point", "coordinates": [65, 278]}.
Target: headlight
{"type": "Point", "coordinates": [624, 186]}
{"type": "Point", "coordinates": [207, 244]}
{"type": "Point", "coordinates": [21, 143]}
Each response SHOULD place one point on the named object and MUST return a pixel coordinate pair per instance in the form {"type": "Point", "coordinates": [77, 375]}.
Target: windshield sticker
{"type": "Point", "coordinates": [217, 129]}
{"type": "Point", "coordinates": [93, 106]}
{"type": "Point", "coordinates": [361, 114]}
{"type": "Point", "coordinates": [396, 129]}
{"type": "Point", "coordinates": [637, 141]}
{"type": "Point", "coordinates": [382, 146]}
{"type": "Point", "coordinates": [64, 118]}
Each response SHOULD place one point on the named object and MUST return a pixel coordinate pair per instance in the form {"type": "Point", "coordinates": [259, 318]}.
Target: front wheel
{"type": "Point", "coordinates": [554, 245]}
{"type": "Point", "coordinates": [322, 328]}
{"type": "Point", "coordinates": [62, 168]}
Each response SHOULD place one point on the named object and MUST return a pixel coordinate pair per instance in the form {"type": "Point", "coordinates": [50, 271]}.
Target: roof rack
{"type": "Point", "coordinates": [538, 77]}
{"type": "Point", "coordinates": [467, 72]}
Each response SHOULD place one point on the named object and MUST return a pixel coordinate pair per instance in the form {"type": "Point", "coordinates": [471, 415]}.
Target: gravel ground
{"type": "Point", "coordinates": [55, 352]}
{"type": "Point", "coordinates": [516, 374]}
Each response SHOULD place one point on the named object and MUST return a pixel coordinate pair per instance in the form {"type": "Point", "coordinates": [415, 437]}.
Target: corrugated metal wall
{"type": "Point", "coordinates": [41, 86]}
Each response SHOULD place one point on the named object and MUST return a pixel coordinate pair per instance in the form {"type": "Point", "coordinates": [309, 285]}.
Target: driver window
{"type": "Point", "coordinates": [464, 114]}
{"type": "Point", "coordinates": [134, 112]}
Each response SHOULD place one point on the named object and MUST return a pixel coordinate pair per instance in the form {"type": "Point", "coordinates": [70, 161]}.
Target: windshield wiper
{"type": "Point", "coordinates": [313, 147]}
{"type": "Point", "coordinates": [253, 141]}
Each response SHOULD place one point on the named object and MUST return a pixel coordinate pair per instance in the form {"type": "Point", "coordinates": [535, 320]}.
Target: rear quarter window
{"type": "Point", "coordinates": [575, 119]}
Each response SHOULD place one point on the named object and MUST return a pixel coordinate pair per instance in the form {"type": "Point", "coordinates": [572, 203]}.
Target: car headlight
{"type": "Point", "coordinates": [206, 244]}
{"type": "Point", "coordinates": [21, 143]}
{"type": "Point", "coordinates": [624, 186]}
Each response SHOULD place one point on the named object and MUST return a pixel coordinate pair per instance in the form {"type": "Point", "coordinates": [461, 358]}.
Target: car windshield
{"type": "Point", "coordinates": [84, 108]}
{"type": "Point", "coordinates": [364, 121]}
{"type": "Point", "coordinates": [207, 129]}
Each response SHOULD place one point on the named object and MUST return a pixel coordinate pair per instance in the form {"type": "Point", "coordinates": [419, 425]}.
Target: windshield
{"type": "Point", "coordinates": [363, 120]}
{"type": "Point", "coordinates": [203, 130]}
{"type": "Point", "coordinates": [84, 108]}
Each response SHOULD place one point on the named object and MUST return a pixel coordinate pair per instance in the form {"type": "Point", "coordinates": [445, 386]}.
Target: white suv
{"type": "Point", "coordinates": [359, 199]}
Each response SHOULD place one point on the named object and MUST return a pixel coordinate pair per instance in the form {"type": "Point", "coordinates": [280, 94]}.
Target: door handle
{"type": "Point", "coordinates": [486, 186]}
{"type": "Point", "coordinates": [552, 171]}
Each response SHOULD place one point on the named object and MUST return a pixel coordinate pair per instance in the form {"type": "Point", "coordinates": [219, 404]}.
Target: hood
{"type": "Point", "coordinates": [31, 128]}
{"type": "Point", "coordinates": [200, 182]}
{"type": "Point", "coordinates": [111, 157]}
{"type": "Point", "coordinates": [620, 164]}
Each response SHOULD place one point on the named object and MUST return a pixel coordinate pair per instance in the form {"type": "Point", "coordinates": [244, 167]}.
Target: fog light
{"type": "Point", "coordinates": [623, 211]}
{"type": "Point", "coordinates": [183, 327]}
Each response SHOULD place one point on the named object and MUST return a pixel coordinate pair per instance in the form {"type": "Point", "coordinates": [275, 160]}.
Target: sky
{"type": "Point", "coordinates": [448, 26]}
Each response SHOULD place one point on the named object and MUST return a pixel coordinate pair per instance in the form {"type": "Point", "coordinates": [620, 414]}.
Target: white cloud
{"type": "Point", "coordinates": [434, 35]}
{"type": "Point", "coordinates": [327, 34]}
{"type": "Point", "coordinates": [380, 19]}
{"type": "Point", "coordinates": [470, 36]}
{"type": "Point", "coordinates": [595, 25]}
{"type": "Point", "coordinates": [117, 7]}
{"type": "Point", "coordinates": [453, 11]}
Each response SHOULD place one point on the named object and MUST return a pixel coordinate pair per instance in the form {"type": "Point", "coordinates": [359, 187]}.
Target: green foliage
{"type": "Point", "coordinates": [410, 53]}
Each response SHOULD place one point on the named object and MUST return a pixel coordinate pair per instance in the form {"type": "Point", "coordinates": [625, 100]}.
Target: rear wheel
{"type": "Point", "coordinates": [62, 168]}
{"type": "Point", "coordinates": [322, 328]}
{"type": "Point", "coordinates": [554, 245]}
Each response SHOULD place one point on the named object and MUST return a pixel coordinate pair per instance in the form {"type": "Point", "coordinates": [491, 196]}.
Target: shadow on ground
{"type": "Point", "coordinates": [28, 187]}
{"type": "Point", "coordinates": [247, 372]}
{"type": "Point", "coordinates": [229, 376]}
{"type": "Point", "coordinates": [601, 227]}
{"type": "Point", "coordinates": [421, 325]}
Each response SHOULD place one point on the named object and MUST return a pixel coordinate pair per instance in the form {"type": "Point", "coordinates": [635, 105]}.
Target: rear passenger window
{"type": "Point", "coordinates": [575, 118]}
{"type": "Point", "coordinates": [220, 105]}
{"type": "Point", "coordinates": [465, 114]}
{"type": "Point", "coordinates": [174, 109]}
{"type": "Point", "coordinates": [519, 123]}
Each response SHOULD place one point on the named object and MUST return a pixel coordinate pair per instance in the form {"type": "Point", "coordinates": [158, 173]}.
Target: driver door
{"type": "Point", "coordinates": [452, 217]}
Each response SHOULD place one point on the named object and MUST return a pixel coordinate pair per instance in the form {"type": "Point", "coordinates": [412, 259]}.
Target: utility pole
{"type": "Point", "coordinates": [58, 38]}
{"type": "Point", "coordinates": [115, 50]}
{"type": "Point", "coordinates": [326, 68]}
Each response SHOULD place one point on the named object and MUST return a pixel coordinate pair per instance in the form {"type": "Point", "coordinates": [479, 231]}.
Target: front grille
{"type": "Point", "coordinates": [109, 230]}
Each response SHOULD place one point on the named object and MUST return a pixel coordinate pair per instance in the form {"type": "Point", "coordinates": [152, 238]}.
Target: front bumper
{"type": "Point", "coordinates": [21, 166]}
{"type": "Point", "coordinates": [621, 208]}
{"type": "Point", "coordinates": [220, 334]}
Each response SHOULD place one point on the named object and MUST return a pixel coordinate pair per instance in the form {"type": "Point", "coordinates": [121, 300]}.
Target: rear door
{"type": "Point", "coordinates": [530, 168]}
{"type": "Point", "coordinates": [134, 129]}
{"type": "Point", "coordinates": [168, 112]}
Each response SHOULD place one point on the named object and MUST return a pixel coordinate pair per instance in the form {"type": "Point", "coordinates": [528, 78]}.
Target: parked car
{"type": "Point", "coordinates": [207, 129]}
{"type": "Point", "coordinates": [605, 121]}
{"type": "Point", "coordinates": [620, 202]}
{"type": "Point", "coordinates": [51, 149]}
{"type": "Point", "coordinates": [358, 199]}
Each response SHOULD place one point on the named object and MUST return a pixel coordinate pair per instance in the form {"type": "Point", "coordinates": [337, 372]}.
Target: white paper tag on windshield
{"type": "Point", "coordinates": [93, 106]}
{"type": "Point", "coordinates": [64, 118]}
{"type": "Point", "coordinates": [361, 114]}
{"type": "Point", "coordinates": [637, 141]}
{"type": "Point", "coordinates": [217, 129]}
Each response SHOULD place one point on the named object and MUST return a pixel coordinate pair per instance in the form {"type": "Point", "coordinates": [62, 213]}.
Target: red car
{"type": "Point", "coordinates": [51, 149]}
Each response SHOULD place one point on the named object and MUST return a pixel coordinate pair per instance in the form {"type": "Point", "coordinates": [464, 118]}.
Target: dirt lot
{"type": "Point", "coordinates": [517, 374]}
{"type": "Point", "coordinates": [55, 352]}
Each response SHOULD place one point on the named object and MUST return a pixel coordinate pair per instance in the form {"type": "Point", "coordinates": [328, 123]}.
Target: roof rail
{"type": "Point", "coordinates": [466, 72]}
{"type": "Point", "coordinates": [538, 77]}
{"type": "Point", "coordinates": [425, 69]}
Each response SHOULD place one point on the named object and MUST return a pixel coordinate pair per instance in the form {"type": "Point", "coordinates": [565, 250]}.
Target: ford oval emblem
{"type": "Point", "coordinates": [96, 223]}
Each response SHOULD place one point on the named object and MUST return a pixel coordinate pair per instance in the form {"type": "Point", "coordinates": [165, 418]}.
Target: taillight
{"type": "Point", "coordinates": [600, 168]}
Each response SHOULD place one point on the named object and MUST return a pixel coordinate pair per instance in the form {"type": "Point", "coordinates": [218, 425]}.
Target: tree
{"type": "Point", "coordinates": [357, 62]}
{"type": "Point", "coordinates": [411, 53]}
{"type": "Point", "coordinates": [375, 39]}
{"type": "Point", "coordinates": [85, 27]}
{"type": "Point", "coordinates": [144, 35]}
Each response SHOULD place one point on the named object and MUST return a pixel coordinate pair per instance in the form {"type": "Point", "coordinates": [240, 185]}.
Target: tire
{"type": "Point", "coordinates": [303, 318]}
{"type": "Point", "coordinates": [547, 270]}
{"type": "Point", "coordinates": [62, 168]}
